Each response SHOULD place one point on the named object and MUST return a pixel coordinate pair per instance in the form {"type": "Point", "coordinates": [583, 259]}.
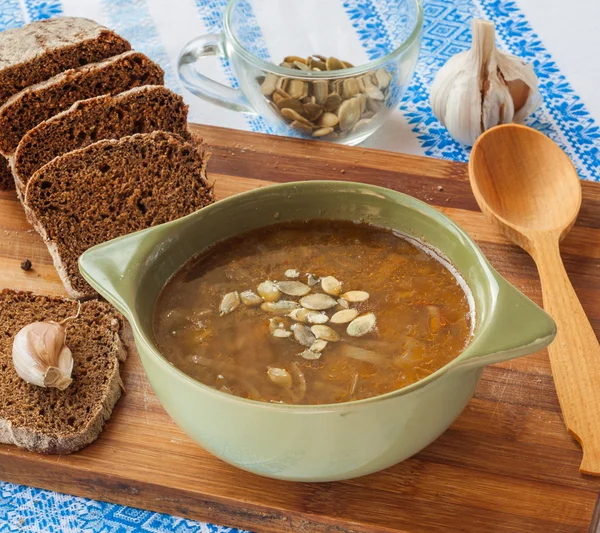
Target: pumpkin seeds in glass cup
{"type": "Point", "coordinates": [329, 109]}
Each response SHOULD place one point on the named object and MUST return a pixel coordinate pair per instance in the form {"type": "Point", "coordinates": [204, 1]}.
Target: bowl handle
{"type": "Point", "coordinates": [112, 268]}
{"type": "Point", "coordinates": [516, 326]}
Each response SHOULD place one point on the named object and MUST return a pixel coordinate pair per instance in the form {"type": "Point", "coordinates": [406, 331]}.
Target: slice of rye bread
{"type": "Point", "coordinates": [40, 50]}
{"type": "Point", "coordinates": [37, 103]}
{"type": "Point", "coordinates": [49, 420]}
{"type": "Point", "coordinates": [139, 110]}
{"type": "Point", "coordinates": [112, 188]}
{"type": "Point", "coordinates": [6, 178]}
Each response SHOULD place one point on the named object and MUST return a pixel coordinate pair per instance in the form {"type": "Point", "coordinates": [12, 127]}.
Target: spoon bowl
{"type": "Point", "coordinates": [525, 180]}
{"type": "Point", "coordinates": [528, 187]}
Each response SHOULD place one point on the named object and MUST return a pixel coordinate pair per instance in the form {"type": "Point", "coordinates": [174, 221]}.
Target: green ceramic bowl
{"type": "Point", "coordinates": [326, 442]}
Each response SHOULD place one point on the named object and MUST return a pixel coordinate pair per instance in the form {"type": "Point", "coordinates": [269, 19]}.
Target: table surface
{"type": "Point", "coordinates": [566, 60]}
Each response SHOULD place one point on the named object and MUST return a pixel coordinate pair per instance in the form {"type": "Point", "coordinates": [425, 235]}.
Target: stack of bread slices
{"type": "Point", "coordinates": [96, 148]}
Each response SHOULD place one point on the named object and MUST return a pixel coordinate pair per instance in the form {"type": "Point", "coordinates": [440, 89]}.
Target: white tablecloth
{"type": "Point", "coordinates": [561, 38]}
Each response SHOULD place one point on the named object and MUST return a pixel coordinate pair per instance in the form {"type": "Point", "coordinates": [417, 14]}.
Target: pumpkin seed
{"type": "Point", "coordinates": [291, 103]}
{"type": "Point", "coordinates": [303, 334]}
{"type": "Point", "coordinates": [332, 63]}
{"type": "Point", "coordinates": [290, 114]}
{"type": "Point", "coordinates": [281, 307]}
{"type": "Point", "coordinates": [363, 102]}
{"type": "Point", "coordinates": [350, 88]}
{"type": "Point", "coordinates": [275, 323]}
{"type": "Point", "coordinates": [383, 78]}
{"type": "Point", "coordinates": [318, 346]}
{"type": "Point", "coordinates": [362, 325]}
{"type": "Point", "coordinates": [269, 291]}
{"type": "Point", "coordinates": [328, 120]}
{"type": "Point", "coordinates": [282, 83]}
{"type": "Point", "coordinates": [297, 88]}
{"type": "Point", "coordinates": [293, 59]}
{"type": "Point", "coordinates": [310, 355]}
{"type": "Point", "coordinates": [229, 303]}
{"type": "Point", "coordinates": [349, 113]}
{"type": "Point", "coordinates": [325, 333]}
{"type": "Point", "coordinates": [317, 302]}
{"type": "Point", "coordinates": [280, 377]}
{"type": "Point", "coordinates": [320, 90]}
{"type": "Point", "coordinates": [301, 66]}
{"type": "Point", "coordinates": [286, 64]}
{"type": "Point", "coordinates": [250, 298]}
{"type": "Point", "coordinates": [321, 65]}
{"type": "Point", "coordinates": [312, 111]}
{"type": "Point", "coordinates": [374, 94]}
{"type": "Point", "coordinates": [268, 86]}
{"type": "Point", "coordinates": [293, 288]}
{"type": "Point", "coordinates": [343, 317]}
{"type": "Point", "coordinates": [312, 280]}
{"type": "Point", "coordinates": [343, 303]}
{"type": "Point", "coordinates": [292, 273]}
{"type": "Point", "coordinates": [301, 126]}
{"type": "Point", "coordinates": [347, 64]}
{"type": "Point", "coordinates": [373, 105]}
{"type": "Point", "coordinates": [321, 132]}
{"type": "Point", "coordinates": [299, 315]}
{"type": "Point", "coordinates": [282, 93]}
{"type": "Point", "coordinates": [332, 102]}
{"type": "Point", "coordinates": [322, 58]}
{"type": "Point", "coordinates": [276, 98]}
{"type": "Point", "coordinates": [282, 333]}
{"type": "Point", "coordinates": [356, 296]}
{"type": "Point", "coordinates": [331, 285]}
{"type": "Point", "coordinates": [316, 318]}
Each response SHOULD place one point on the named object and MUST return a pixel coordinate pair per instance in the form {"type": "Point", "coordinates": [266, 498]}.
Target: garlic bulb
{"type": "Point", "coordinates": [41, 357]}
{"type": "Point", "coordinates": [483, 87]}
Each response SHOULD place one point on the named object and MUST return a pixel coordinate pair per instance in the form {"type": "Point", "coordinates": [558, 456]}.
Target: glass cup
{"type": "Point", "coordinates": [319, 69]}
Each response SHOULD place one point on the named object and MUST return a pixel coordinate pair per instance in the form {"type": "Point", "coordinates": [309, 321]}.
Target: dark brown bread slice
{"type": "Point", "coordinates": [49, 420]}
{"type": "Point", "coordinates": [37, 103]}
{"type": "Point", "coordinates": [40, 50]}
{"type": "Point", "coordinates": [139, 110]}
{"type": "Point", "coordinates": [112, 188]}
{"type": "Point", "coordinates": [6, 178]}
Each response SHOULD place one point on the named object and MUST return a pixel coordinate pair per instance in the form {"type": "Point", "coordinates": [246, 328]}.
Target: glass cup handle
{"type": "Point", "coordinates": [189, 72]}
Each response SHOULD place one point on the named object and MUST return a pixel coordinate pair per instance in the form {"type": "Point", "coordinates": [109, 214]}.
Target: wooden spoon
{"type": "Point", "coordinates": [528, 186]}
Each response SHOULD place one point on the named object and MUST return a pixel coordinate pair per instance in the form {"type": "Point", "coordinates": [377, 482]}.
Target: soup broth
{"type": "Point", "coordinates": [313, 313]}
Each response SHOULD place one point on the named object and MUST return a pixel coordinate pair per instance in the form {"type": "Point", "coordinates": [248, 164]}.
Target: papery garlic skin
{"type": "Point", "coordinates": [483, 87]}
{"type": "Point", "coordinates": [41, 357]}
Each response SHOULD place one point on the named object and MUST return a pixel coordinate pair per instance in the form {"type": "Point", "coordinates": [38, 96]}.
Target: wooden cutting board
{"type": "Point", "coordinates": [506, 465]}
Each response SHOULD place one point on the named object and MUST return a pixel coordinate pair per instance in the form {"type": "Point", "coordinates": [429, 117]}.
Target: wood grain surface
{"type": "Point", "coordinates": [506, 465]}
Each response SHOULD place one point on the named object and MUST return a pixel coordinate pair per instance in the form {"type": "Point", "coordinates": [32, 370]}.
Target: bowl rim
{"type": "Point", "coordinates": [407, 201]}
{"type": "Point", "coordinates": [343, 73]}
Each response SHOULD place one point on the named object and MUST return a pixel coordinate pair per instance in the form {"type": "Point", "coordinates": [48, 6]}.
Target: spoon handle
{"type": "Point", "coordinates": [574, 355]}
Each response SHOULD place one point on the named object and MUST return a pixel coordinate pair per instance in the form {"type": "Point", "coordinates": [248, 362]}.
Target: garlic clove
{"type": "Point", "coordinates": [522, 84]}
{"type": "Point", "coordinates": [41, 357]}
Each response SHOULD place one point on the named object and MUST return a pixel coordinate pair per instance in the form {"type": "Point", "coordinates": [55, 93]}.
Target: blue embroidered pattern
{"type": "Point", "coordinates": [132, 20]}
{"type": "Point", "coordinates": [563, 117]}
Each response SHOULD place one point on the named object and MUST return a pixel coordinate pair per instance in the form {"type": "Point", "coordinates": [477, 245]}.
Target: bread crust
{"type": "Point", "coordinates": [138, 110]}
{"type": "Point", "coordinates": [39, 50]}
{"type": "Point", "coordinates": [22, 111]}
